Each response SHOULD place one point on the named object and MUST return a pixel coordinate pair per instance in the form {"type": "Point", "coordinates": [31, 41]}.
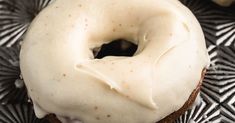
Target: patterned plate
{"type": "Point", "coordinates": [217, 97]}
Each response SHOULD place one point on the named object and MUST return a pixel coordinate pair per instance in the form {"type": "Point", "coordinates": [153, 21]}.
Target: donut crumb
{"type": "Point", "coordinates": [108, 115]}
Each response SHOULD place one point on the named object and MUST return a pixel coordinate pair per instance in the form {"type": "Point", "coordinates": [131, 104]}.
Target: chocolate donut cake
{"type": "Point", "coordinates": [157, 82]}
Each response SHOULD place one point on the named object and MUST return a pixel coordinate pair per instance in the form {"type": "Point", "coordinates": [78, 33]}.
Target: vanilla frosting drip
{"type": "Point", "coordinates": [62, 76]}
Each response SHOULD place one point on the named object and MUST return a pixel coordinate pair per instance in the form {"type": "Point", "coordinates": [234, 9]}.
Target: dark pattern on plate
{"type": "Point", "coordinates": [12, 89]}
{"type": "Point", "coordinates": [18, 114]}
{"type": "Point", "coordinates": [203, 112]}
{"type": "Point", "coordinates": [225, 74]}
{"type": "Point", "coordinates": [15, 17]}
{"type": "Point", "coordinates": [218, 23]}
{"type": "Point", "coordinates": [217, 95]}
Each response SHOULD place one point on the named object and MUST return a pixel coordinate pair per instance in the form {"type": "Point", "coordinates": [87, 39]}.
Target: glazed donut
{"type": "Point", "coordinates": [64, 78]}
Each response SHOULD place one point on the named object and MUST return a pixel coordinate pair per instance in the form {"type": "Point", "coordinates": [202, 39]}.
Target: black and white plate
{"type": "Point", "coordinates": [217, 96]}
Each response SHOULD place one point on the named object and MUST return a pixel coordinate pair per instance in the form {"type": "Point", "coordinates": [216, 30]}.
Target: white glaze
{"type": "Point", "coordinates": [62, 77]}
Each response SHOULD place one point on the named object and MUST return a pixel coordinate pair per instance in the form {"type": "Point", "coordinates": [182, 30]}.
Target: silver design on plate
{"type": "Point", "coordinates": [12, 89]}
{"type": "Point", "coordinates": [18, 113]}
{"type": "Point", "coordinates": [15, 17]}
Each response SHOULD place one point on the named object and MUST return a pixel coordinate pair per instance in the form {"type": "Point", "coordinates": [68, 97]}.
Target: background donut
{"type": "Point", "coordinates": [224, 2]}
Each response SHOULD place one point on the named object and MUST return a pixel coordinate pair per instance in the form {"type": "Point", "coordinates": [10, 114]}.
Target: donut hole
{"type": "Point", "coordinates": [118, 47]}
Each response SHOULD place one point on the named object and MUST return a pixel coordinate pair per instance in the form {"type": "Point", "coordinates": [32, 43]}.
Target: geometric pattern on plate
{"type": "Point", "coordinates": [18, 113]}
{"type": "Point", "coordinates": [12, 89]}
{"type": "Point", "coordinates": [15, 17]}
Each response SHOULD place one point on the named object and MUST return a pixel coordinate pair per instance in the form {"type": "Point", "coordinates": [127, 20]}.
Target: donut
{"type": "Point", "coordinates": [64, 77]}
{"type": "Point", "coordinates": [224, 3]}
